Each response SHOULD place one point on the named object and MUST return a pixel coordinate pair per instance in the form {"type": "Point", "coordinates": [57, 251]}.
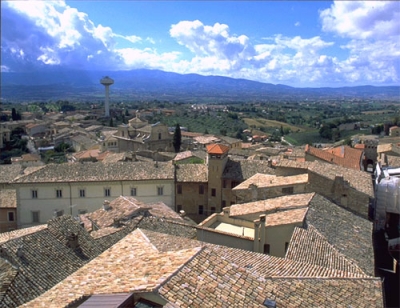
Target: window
{"type": "Point", "coordinates": [133, 191]}
{"type": "Point", "coordinates": [223, 203]}
{"type": "Point", "coordinates": [201, 189]}
{"type": "Point", "coordinates": [213, 192]}
{"type": "Point", "coordinates": [179, 208]}
{"type": "Point", "coordinates": [59, 193]}
{"type": "Point", "coordinates": [287, 190]}
{"type": "Point", "coordinates": [179, 189]}
{"type": "Point", "coordinates": [266, 249]}
{"type": "Point", "coordinates": [160, 191]}
{"type": "Point", "coordinates": [212, 209]}
{"type": "Point", "coordinates": [159, 136]}
{"type": "Point", "coordinates": [107, 192]}
{"type": "Point", "coordinates": [82, 193]}
{"type": "Point", "coordinates": [35, 216]}
{"type": "Point", "coordinates": [201, 210]}
{"type": "Point", "coordinates": [34, 194]}
{"type": "Point", "coordinates": [234, 184]}
{"type": "Point", "coordinates": [286, 246]}
{"type": "Point", "coordinates": [11, 216]}
{"type": "Point", "coordinates": [224, 184]}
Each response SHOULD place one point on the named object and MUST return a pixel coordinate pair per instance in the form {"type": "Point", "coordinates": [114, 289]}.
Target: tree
{"type": "Point", "coordinates": [13, 114]}
{"type": "Point", "coordinates": [177, 140]}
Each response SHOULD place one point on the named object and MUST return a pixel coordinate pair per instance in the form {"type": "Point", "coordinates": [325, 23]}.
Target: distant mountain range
{"type": "Point", "coordinates": [144, 84]}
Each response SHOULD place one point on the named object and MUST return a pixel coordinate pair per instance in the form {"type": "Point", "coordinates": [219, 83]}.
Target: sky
{"type": "Point", "coordinates": [296, 43]}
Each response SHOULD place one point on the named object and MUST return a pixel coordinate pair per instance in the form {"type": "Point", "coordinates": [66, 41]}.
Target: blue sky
{"type": "Point", "coordinates": [298, 43]}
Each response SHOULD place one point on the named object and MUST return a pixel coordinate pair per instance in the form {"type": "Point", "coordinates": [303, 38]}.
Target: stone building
{"type": "Point", "coordinates": [139, 135]}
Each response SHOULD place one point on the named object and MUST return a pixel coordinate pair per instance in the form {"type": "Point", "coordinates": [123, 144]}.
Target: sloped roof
{"type": "Point", "coordinates": [192, 173]}
{"type": "Point", "coordinates": [118, 171]}
{"type": "Point", "coordinates": [108, 272]}
{"type": "Point", "coordinates": [241, 170]}
{"type": "Point", "coordinates": [309, 246]}
{"type": "Point", "coordinates": [350, 234]}
{"type": "Point", "coordinates": [217, 149]}
{"type": "Point", "coordinates": [8, 198]}
{"type": "Point", "coordinates": [267, 180]}
{"type": "Point", "coordinates": [213, 280]}
{"type": "Point", "coordinates": [344, 156]}
{"type": "Point", "coordinates": [9, 172]}
{"type": "Point", "coordinates": [271, 205]}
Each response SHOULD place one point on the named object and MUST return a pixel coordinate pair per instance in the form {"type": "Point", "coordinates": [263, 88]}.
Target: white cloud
{"type": "Point", "coordinates": [297, 24]}
{"type": "Point", "coordinates": [362, 19]}
{"type": "Point", "coordinates": [212, 41]}
{"type": "Point", "coordinates": [54, 33]}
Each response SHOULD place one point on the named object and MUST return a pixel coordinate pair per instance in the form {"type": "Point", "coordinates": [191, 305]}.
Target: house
{"type": "Point", "coordinates": [264, 226]}
{"type": "Point", "coordinates": [344, 156]}
{"type": "Point", "coordinates": [139, 266]}
{"type": "Point", "coordinates": [264, 186]}
{"type": "Point", "coordinates": [139, 135]}
{"type": "Point", "coordinates": [8, 210]}
{"type": "Point", "coordinates": [26, 160]}
{"type": "Point", "coordinates": [74, 188]}
{"type": "Point", "coordinates": [191, 191]}
{"type": "Point", "coordinates": [349, 188]}
{"type": "Point", "coordinates": [269, 226]}
{"type": "Point", "coordinates": [36, 129]}
{"type": "Point", "coordinates": [394, 131]}
{"type": "Point", "coordinates": [5, 134]}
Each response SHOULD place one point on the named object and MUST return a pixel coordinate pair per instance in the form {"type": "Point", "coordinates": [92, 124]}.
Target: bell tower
{"type": "Point", "coordinates": [217, 156]}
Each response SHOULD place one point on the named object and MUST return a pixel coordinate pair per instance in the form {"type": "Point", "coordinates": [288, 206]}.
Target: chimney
{"type": "Point", "coordinates": [20, 251]}
{"type": "Point", "coordinates": [182, 213]}
{"type": "Point", "coordinates": [262, 232]}
{"type": "Point", "coordinates": [72, 241]}
{"type": "Point", "coordinates": [116, 223]}
{"type": "Point", "coordinates": [256, 247]}
{"type": "Point", "coordinates": [226, 210]}
{"type": "Point", "coordinates": [106, 205]}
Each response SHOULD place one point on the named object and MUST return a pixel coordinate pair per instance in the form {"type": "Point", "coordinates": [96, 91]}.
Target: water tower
{"type": "Point", "coordinates": [107, 82]}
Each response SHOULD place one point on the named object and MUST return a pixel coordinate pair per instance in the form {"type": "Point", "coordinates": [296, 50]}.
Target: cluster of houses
{"type": "Point", "coordinates": [133, 224]}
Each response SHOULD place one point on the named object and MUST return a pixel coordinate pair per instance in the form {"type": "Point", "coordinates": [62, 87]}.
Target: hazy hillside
{"type": "Point", "coordinates": [156, 84]}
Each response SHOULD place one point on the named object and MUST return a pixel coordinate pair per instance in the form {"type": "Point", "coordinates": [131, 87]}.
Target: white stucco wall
{"type": "Point", "coordinates": [71, 202]}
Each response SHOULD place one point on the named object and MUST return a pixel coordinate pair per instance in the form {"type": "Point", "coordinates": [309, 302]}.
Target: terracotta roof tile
{"type": "Point", "coordinates": [252, 210]}
{"type": "Point", "coordinates": [108, 273]}
{"type": "Point", "coordinates": [99, 172]}
{"type": "Point", "coordinates": [217, 148]}
{"type": "Point", "coordinates": [344, 156]}
{"type": "Point", "coordinates": [8, 198]}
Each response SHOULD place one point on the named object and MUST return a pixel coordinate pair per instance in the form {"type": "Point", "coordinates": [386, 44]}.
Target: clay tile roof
{"type": "Point", "coordinates": [348, 233]}
{"type": "Point", "coordinates": [134, 254]}
{"type": "Point", "coordinates": [217, 148]}
{"type": "Point", "coordinates": [219, 278]}
{"type": "Point", "coordinates": [195, 173]}
{"type": "Point", "coordinates": [344, 156]}
{"type": "Point", "coordinates": [311, 247]}
{"type": "Point", "coordinates": [8, 198]}
{"type": "Point", "coordinates": [252, 210]}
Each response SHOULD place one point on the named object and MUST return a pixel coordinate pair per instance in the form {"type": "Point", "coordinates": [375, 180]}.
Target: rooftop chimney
{"type": "Point", "coordinates": [20, 252]}
{"type": "Point", "coordinates": [226, 210]}
{"type": "Point", "coordinates": [106, 205]}
{"type": "Point", "coordinates": [72, 241]}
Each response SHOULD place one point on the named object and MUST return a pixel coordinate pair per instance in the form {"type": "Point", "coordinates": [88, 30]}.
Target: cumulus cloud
{"type": "Point", "coordinates": [212, 42]}
{"type": "Point", "coordinates": [372, 28]}
{"type": "Point", "coordinates": [37, 34]}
